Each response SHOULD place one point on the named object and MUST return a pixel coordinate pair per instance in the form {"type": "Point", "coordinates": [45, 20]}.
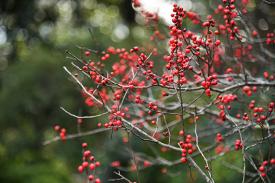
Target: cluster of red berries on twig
{"type": "Point", "coordinates": [61, 131]}
{"type": "Point", "coordinates": [210, 80]}
{"type": "Point", "coordinates": [228, 10]}
{"type": "Point", "coordinates": [270, 38]}
{"type": "Point", "coordinates": [219, 137]}
{"type": "Point", "coordinates": [187, 147]}
{"type": "Point", "coordinates": [264, 166]}
{"type": "Point", "coordinates": [238, 144]}
{"type": "Point", "coordinates": [89, 164]}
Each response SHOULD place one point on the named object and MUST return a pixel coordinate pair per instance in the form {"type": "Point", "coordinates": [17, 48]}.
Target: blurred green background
{"type": "Point", "coordinates": [34, 35]}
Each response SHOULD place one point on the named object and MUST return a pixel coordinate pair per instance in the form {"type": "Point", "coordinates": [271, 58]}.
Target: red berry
{"type": "Point", "coordinates": [261, 168]}
{"type": "Point", "coordinates": [183, 159]}
{"type": "Point", "coordinates": [218, 42]}
{"type": "Point", "coordinates": [265, 163]}
{"type": "Point", "coordinates": [80, 169]}
{"type": "Point", "coordinates": [92, 166]}
{"type": "Point", "coordinates": [87, 53]}
{"type": "Point", "coordinates": [56, 128]}
{"type": "Point", "coordinates": [91, 177]}
{"type": "Point", "coordinates": [84, 145]}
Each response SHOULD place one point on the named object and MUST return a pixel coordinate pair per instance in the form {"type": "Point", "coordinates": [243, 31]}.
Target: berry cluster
{"type": "Point", "coordinates": [219, 137]}
{"type": "Point", "coordinates": [187, 147]}
{"type": "Point", "coordinates": [228, 10]}
{"type": "Point", "coordinates": [62, 132]}
{"type": "Point", "coordinates": [89, 164]}
{"type": "Point", "coordinates": [264, 167]}
{"type": "Point", "coordinates": [238, 144]}
{"type": "Point", "coordinates": [210, 81]}
{"type": "Point", "coordinates": [270, 38]}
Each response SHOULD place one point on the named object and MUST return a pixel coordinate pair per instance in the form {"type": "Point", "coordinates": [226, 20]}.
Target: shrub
{"type": "Point", "coordinates": [198, 92]}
